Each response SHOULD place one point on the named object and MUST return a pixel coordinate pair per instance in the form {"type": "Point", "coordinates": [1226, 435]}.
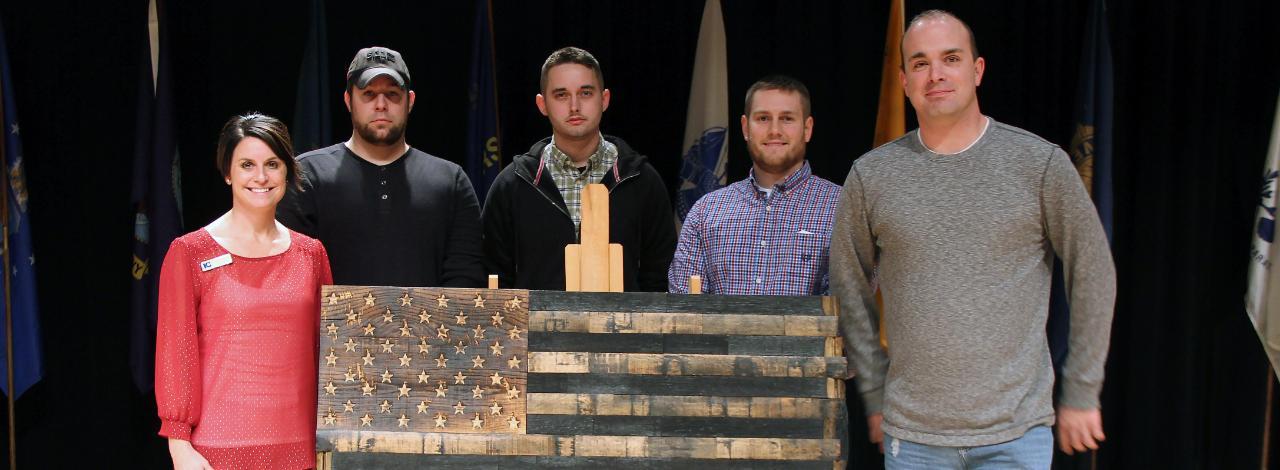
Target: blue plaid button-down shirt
{"type": "Point", "coordinates": [745, 241]}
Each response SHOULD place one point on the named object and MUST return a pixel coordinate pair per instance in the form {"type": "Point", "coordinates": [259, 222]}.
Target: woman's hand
{"type": "Point", "coordinates": [185, 456]}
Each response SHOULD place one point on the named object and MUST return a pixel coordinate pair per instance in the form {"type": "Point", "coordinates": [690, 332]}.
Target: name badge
{"type": "Point", "coordinates": [213, 263]}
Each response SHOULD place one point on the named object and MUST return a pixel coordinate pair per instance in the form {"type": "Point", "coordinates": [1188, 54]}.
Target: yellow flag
{"type": "Point", "coordinates": [891, 118]}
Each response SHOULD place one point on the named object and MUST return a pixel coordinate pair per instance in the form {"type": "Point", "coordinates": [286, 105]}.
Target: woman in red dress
{"type": "Point", "coordinates": [239, 318]}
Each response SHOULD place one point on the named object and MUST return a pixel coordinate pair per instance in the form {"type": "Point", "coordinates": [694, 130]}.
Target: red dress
{"type": "Point", "coordinates": [236, 351]}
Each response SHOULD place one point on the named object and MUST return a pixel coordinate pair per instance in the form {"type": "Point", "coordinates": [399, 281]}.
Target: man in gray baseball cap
{"type": "Point", "coordinates": [388, 214]}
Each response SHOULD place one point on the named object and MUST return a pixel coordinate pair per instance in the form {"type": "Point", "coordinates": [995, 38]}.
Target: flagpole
{"type": "Point", "coordinates": [1266, 419]}
{"type": "Point", "coordinates": [8, 308]}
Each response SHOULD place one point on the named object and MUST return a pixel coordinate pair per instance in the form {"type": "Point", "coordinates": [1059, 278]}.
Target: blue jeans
{"type": "Point", "coordinates": [1034, 450]}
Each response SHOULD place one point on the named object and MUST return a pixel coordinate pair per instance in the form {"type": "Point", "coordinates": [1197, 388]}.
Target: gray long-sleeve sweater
{"type": "Point", "coordinates": [965, 245]}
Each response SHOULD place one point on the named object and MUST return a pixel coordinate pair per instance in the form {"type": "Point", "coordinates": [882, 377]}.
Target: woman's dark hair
{"type": "Point", "coordinates": [265, 128]}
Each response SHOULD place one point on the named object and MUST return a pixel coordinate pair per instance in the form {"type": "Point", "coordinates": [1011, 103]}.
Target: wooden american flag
{"type": "Point", "coordinates": [578, 380]}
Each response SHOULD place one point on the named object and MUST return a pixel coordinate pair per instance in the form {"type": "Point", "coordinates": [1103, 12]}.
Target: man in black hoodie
{"type": "Point", "coordinates": [534, 206]}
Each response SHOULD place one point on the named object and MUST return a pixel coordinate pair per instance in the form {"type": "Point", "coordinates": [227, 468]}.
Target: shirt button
{"type": "Point", "coordinates": [384, 182]}
{"type": "Point", "coordinates": [764, 243]}
{"type": "Point", "coordinates": [759, 280]}
{"type": "Point", "coordinates": [768, 208]}
{"type": "Point", "coordinates": [384, 197]}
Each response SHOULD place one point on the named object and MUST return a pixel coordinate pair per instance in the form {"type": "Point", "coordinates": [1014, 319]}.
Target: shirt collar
{"type": "Point", "coordinates": [562, 160]}
{"type": "Point", "coordinates": [793, 181]}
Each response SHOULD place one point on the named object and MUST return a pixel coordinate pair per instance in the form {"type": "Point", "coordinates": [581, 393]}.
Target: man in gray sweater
{"type": "Point", "coordinates": [963, 218]}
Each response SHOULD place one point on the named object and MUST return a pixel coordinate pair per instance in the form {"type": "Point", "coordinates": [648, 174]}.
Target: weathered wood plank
{"type": "Point", "coordinates": [684, 405]}
{"type": "Point", "coordinates": [684, 426]}
{"type": "Point", "coordinates": [679, 344]}
{"type": "Point", "coordinates": [677, 385]}
{"type": "Point", "coordinates": [685, 364]}
{"type": "Point", "coordinates": [360, 460]}
{"type": "Point", "coordinates": [579, 445]}
{"type": "Point", "coordinates": [682, 323]}
{"type": "Point", "coordinates": [662, 302]}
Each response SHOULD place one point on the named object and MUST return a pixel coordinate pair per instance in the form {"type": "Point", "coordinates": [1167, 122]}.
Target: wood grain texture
{"type": "Point", "coordinates": [682, 323]}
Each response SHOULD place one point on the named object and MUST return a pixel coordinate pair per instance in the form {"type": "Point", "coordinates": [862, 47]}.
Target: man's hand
{"type": "Point", "coordinates": [873, 430]}
{"type": "Point", "coordinates": [1079, 429]}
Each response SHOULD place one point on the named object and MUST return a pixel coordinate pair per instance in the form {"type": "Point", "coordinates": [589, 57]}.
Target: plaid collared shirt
{"type": "Point", "coordinates": [570, 181]}
{"type": "Point", "coordinates": [745, 241]}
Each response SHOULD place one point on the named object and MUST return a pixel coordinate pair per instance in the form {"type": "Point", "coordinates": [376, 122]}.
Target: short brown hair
{"type": "Point", "coordinates": [265, 128]}
{"type": "Point", "coordinates": [937, 15]}
{"type": "Point", "coordinates": [780, 83]}
{"type": "Point", "coordinates": [570, 55]}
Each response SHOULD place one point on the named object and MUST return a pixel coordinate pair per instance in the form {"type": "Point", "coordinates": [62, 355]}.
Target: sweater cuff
{"type": "Point", "coordinates": [873, 401]}
{"type": "Point", "coordinates": [175, 429]}
{"type": "Point", "coordinates": [1080, 396]}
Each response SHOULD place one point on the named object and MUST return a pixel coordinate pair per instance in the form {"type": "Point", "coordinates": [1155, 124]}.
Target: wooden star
{"type": "Point", "coordinates": [331, 359]}
{"type": "Point", "coordinates": [514, 303]}
{"type": "Point", "coordinates": [422, 378]}
{"type": "Point", "coordinates": [441, 420]}
{"type": "Point", "coordinates": [441, 389]}
{"type": "Point", "coordinates": [332, 329]}
{"type": "Point", "coordinates": [423, 347]}
{"type": "Point", "coordinates": [496, 379]}
{"type": "Point", "coordinates": [406, 300]}
{"type": "Point", "coordinates": [366, 420]}
{"type": "Point", "coordinates": [477, 423]}
{"type": "Point", "coordinates": [386, 376]}
{"type": "Point", "coordinates": [368, 358]}
{"type": "Point", "coordinates": [387, 317]}
{"type": "Point", "coordinates": [330, 418]}
{"type": "Point", "coordinates": [479, 301]}
{"type": "Point", "coordinates": [330, 389]}
{"type": "Point", "coordinates": [367, 389]}
{"type": "Point", "coordinates": [348, 407]}
{"type": "Point", "coordinates": [368, 300]}
{"type": "Point", "coordinates": [386, 345]}
{"type": "Point", "coordinates": [513, 422]}
{"type": "Point", "coordinates": [497, 319]}
{"type": "Point", "coordinates": [443, 332]}
{"type": "Point", "coordinates": [477, 362]}
{"type": "Point", "coordinates": [442, 301]}
{"type": "Point", "coordinates": [441, 361]}
{"type": "Point", "coordinates": [422, 406]}
{"type": "Point", "coordinates": [404, 420]}
{"type": "Point", "coordinates": [404, 359]}
{"type": "Point", "coordinates": [385, 407]}
{"type": "Point", "coordinates": [513, 393]}
{"type": "Point", "coordinates": [352, 316]}
{"type": "Point", "coordinates": [461, 348]}
{"type": "Point", "coordinates": [477, 392]}
{"type": "Point", "coordinates": [350, 344]}
{"type": "Point", "coordinates": [424, 317]}
{"type": "Point", "coordinates": [514, 362]}
{"type": "Point", "coordinates": [514, 333]}
{"type": "Point", "coordinates": [478, 333]}
{"type": "Point", "coordinates": [460, 319]}
{"type": "Point", "coordinates": [404, 329]}
{"type": "Point", "coordinates": [404, 390]}
{"type": "Point", "coordinates": [496, 348]}
{"type": "Point", "coordinates": [495, 408]}
{"type": "Point", "coordinates": [459, 409]}
{"type": "Point", "coordinates": [368, 329]}
{"type": "Point", "coordinates": [459, 379]}
{"type": "Point", "coordinates": [333, 298]}
{"type": "Point", "coordinates": [349, 375]}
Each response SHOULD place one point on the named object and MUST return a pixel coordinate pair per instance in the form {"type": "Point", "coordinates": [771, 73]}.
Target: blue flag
{"type": "Point", "coordinates": [1091, 154]}
{"type": "Point", "coordinates": [28, 365]}
{"type": "Point", "coordinates": [312, 126]}
{"type": "Point", "coordinates": [707, 119]}
{"type": "Point", "coordinates": [484, 155]}
{"type": "Point", "coordinates": [156, 193]}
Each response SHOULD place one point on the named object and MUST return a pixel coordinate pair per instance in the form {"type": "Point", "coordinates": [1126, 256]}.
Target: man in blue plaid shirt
{"type": "Point", "coordinates": [768, 234]}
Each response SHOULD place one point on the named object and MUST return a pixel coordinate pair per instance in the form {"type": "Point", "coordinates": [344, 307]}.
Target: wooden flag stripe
{"type": "Point", "coordinates": [679, 344]}
{"type": "Point", "coordinates": [673, 426]}
{"type": "Point", "coordinates": [678, 385]}
{"type": "Point", "coordinates": [683, 323]}
{"type": "Point", "coordinates": [662, 302]}
{"type": "Point", "coordinates": [580, 445]}
{"type": "Point", "coordinates": [605, 404]}
{"type": "Point", "coordinates": [485, 462]}
{"type": "Point", "coordinates": [685, 364]}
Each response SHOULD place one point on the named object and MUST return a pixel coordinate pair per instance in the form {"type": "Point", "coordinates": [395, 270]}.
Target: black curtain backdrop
{"type": "Point", "coordinates": [1196, 87]}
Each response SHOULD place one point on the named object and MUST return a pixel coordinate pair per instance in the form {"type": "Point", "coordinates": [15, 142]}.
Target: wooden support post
{"type": "Point", "coordinates": [695, 284]}
{"type": "Point", "coordinates": [493, 281]}
{"type": "Point", "coordinates": [594, 265]}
